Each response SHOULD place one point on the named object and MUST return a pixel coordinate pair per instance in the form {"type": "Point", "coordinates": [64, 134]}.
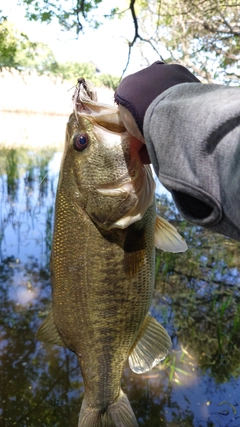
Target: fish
{"type": "Point", "coordinates": [102, 259]}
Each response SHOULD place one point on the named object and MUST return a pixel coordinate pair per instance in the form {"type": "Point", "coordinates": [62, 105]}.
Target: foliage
{"type": "Point", "coordinates": [109, 81]}
{"type": "Point", "coordinates": [206, 305]}
{"type": "Point", "coordinates": [68, 18]}
{"type": "Point", "coordinates": [8, 45]}
{"type": "Point", "coordinates": [17, 51]}
{"type": "Point", "coordinates": [73, 70]}
{"type": "Point", "coordinates": [202, 35]}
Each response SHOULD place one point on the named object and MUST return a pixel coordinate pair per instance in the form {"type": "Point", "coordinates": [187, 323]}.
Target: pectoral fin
{"type": "Point", "coordinates": [48, 331]}
{"type": "Point", "coordinates": [167, 238]}
{"type": "Point", "coordinates": [152, 345]}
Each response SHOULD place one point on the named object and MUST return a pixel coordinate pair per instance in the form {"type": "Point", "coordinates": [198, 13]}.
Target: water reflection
{"type": "Point", "coordinates": [28, 185]}
{"type": "Point", "coordinates": [197, 298]}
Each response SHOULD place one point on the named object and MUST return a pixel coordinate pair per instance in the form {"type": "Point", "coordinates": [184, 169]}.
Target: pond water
{"type": "Point", "coordinates": [197, 299]}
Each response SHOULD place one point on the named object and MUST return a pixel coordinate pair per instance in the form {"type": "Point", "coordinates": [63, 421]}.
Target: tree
{"type": "Point", "coordinates": [202, 35]}
{"type": "Point", "coordinates": [17, 51]}
{"type": "Point", "coordinates": [8, 45]}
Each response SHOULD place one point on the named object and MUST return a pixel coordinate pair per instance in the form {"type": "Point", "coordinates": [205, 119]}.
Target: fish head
{"type": "Point", "coordinates": [101, 166]}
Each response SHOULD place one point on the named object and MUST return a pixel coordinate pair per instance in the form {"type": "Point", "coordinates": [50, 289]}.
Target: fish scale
{"type": "Point", "coordinates": [104, 289]}
{"type": "Point", "coordinates": [102, 261]}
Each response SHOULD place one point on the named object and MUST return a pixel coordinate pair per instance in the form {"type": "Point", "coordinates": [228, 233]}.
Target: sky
{"type": "Point", "coordinates": [106, 47]}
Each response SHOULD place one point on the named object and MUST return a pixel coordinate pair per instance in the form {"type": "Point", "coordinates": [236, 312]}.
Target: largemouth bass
{"type": "Point", "coordinates": [102, 260]}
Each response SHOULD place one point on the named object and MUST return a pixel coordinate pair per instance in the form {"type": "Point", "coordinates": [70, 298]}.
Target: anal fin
{"type": "Point", "coordinates": [48, 332]}
{"type": "Point", "coordinates": [152, 345]}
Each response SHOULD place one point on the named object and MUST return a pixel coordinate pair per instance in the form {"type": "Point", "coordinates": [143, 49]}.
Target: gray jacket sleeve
{"type": "Point", "coordinates": [192, 133]}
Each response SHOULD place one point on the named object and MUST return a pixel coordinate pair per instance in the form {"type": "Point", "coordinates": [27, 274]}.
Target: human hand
{"type": "Point", "coordinates": [137, 91]}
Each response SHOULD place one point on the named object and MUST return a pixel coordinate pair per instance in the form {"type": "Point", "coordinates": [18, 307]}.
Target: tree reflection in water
{"type": "Point", "coordinates": [196, 298]}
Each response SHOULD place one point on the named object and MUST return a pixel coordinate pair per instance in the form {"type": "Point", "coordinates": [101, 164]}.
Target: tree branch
{"type": "Point", "coordinates": [137, 36]}
{"type": "Point", "coordinates": [135, 22]}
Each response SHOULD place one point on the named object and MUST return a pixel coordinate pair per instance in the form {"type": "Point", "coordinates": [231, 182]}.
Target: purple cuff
{"type": "Point", "coordinates": [137, 91]}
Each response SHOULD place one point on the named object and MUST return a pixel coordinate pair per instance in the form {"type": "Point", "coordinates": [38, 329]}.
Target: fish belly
{"type": "Point", "coordinates": [102, 290]}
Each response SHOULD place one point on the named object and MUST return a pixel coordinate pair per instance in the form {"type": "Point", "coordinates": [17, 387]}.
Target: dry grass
{"type": "Point", "coordinates": [32, 130]}
{"type": "Point", "coordinates": [34, 109]}
{"type": "Point", "coordinates": [30, 93]}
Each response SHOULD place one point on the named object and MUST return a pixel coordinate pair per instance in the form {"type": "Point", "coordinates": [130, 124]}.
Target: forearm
{"type": "Point", "coordinates": [192, 133]}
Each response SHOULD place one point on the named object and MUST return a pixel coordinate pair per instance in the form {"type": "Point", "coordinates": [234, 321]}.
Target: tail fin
{"type": "Point", "coordinates": [118, 414]}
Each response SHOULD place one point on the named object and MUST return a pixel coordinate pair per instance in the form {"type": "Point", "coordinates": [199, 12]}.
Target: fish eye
{"type": "Point", "coordinates": [80, 141]}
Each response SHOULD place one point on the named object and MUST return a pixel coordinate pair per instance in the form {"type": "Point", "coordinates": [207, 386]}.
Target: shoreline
{"type": "Point", "coordinates": [33, 131]}
{"type": "Point", "coordinates": [35, 113]}
{"type": "Point", "coordinates": [34, 109]}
